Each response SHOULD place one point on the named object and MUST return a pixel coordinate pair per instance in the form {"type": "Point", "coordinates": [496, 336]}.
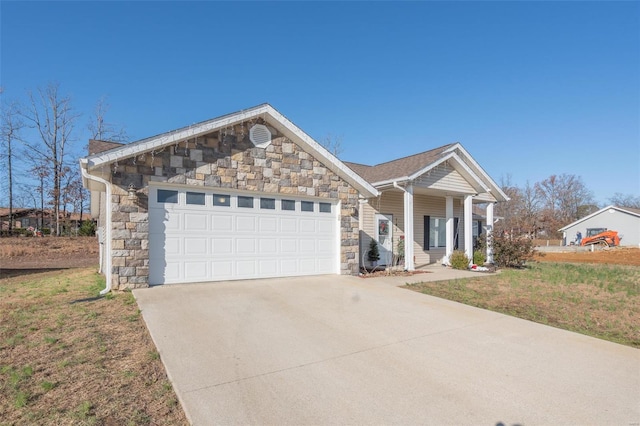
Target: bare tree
{"type": "Point", "coordinates": [333, 144]}
{"type": "Point", "coordinates": [10, 126]}
{"type": "Point", "coordinates": [102, 130]}
{"type": "Point", "coordinates": [625, 200]}
{"type": "Point", "coordinates": [563, 198]}
{"type": "Point", "coordinates": [53, 118]}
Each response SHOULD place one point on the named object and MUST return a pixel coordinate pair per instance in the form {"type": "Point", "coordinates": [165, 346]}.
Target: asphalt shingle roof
{"type": "Point", "coordinates": [398, 168]}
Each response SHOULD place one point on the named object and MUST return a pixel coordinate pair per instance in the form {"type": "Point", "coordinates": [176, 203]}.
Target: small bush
{"type": "Point", "coordinates": [479, 257]}
{"type": "Point", "coordinates": [459, 260]}
{"type": "Point", "coordinates": [374, 254]}
{"type": "Point", "coordinates": [87, 229]}
{"type": "Point", "coordinates": [510, 252]}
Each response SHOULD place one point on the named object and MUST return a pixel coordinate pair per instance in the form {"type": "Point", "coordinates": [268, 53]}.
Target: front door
{"type": "Point", "coordinates": [384, 237]}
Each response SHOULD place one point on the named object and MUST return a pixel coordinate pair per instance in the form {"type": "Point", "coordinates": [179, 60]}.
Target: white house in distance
{"type": "Point", "coordinates": [625, 220]}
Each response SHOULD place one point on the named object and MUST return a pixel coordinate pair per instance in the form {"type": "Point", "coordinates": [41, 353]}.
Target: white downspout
{"type": "Point", "coordinates": [107, 236]}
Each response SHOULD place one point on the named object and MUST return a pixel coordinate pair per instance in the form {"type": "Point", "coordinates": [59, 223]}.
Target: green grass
{"type": "Point", "coordinates": [598, 300]}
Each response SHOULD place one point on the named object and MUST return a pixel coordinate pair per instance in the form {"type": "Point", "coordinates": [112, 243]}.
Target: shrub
{"type": "Point", "coordinates": [374, 254]}
{"type": "Point", "coordinates": [87, 229]}
{"type": "Point", "coordinates": [459, 260]}
{"type": "Point", "coordinates": [479, 257]}
{"type": "Point", "coordinates": [510, 252]}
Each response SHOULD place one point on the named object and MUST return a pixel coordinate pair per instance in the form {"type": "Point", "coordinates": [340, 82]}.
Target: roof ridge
{"type": "Point", "coordinates": [414, 155]}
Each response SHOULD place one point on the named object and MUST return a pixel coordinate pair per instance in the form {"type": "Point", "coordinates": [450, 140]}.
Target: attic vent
{"type": "Point", "coordinates": [260, 136]}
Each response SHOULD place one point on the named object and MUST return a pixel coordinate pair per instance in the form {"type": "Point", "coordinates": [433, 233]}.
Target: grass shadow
{"type": "Point", "coordinates": [17, 272]}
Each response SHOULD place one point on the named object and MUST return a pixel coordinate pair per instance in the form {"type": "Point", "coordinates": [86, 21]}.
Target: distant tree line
{"type": "Point", "coordinates": [39, 152]}
{"type": "Point", "coordinates": [540, 209]}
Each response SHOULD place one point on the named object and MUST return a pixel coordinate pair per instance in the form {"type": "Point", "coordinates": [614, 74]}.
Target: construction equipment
{"type": "Point", "coordinates": [601, 236]}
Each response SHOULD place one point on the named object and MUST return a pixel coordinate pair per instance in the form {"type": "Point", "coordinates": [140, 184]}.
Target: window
{"type": "Point", "coordinates": [288, 205]}
{"type": "Point", "coordinates": [222, 200]}
{"type": "Point", "coordinates": [246, 202]}
{"type": "Point", "coordinates": [196, 198]}
{"type": "Point", "coordinates": [306, 206]}
{"type": "Point", "coordinates": [268, 203]}
{"type": "Point", "coordinates": [435, 232]}
{"type": "Point", "coordinates": [325, 207]}
{"type": "Point", "coordinates": [167, 196]}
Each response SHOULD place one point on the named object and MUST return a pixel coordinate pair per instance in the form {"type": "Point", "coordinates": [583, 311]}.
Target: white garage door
{"type": "Point", "coordinates": [197, 235]}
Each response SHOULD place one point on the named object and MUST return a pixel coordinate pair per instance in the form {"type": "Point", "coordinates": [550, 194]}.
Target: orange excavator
{"type": "Point", "coordinates": [601, 236]}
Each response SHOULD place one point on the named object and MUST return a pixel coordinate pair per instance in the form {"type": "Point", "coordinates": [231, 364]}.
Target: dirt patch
{"type": "Point", "coordinates": [613, 256]}
{"type": "Point", "coordinates": [33, 253]}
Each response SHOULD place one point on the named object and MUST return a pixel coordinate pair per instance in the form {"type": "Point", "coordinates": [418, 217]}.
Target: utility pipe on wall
{"type": "Point", "coordinates": [107, 236]}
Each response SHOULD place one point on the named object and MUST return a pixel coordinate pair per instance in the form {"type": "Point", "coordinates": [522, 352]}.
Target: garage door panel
{"type": "Point", "coordinates": [289, 266]}
{"type": "Point", "coordinates": [325, 246]}
{"type": "Point", "coordinates": [307, 266]}
{"type": "Point", "coordinates": [289, 246]}
{"type": "Point", "coordinates": [268, 267]}
{"type": "Point", "coordinates": [221, 246]}
{"type": "Point", "coordinates": [268, 246]}
{"type": "Point", "coordinates": [191, 243]}
{"type": "Point", "coordinates": [245, 223]}
{"type": "Point", "coordinates": [196, 271]}
{"type": "Point", "coordinates": [195, 246]}
{"type": "Point", "coordinates": [222, 222]}
{"type": "Point", "coordinates": [222, 269]}
{"type": "Point", "coordinates": [245, 268]}
{"type": "Point", "coordinates": [267, 224]}
{"type": "Point", "coordinates": [307, 245]}
{"type": "Point", "coordinates": [307, 225]}
{"type": "Point", "coordinates": [288, 224]}
{"type": "Point", "coordinates": [325, 226]}
{"type": "Point", "coordinates": [172, 221]}
{"type": "Point", "coordinates": [195, 222]}
{"type": "Point", "coordinates": [173, 246]}
{"type": "Point", "coordinates": [245, 246]}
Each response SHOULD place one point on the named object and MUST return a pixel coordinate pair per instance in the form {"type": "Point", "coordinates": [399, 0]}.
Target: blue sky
{"type": "Point", "coordinates": [529, 88]}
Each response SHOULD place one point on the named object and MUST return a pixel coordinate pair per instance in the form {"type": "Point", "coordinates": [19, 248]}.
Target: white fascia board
{"type": "Point", "coordinates": [477, 183]}
{"type": "Point", "coordinates": [286, 127]}
{"type": "Point", "coordinates": [175, 136]}
{"type": "Point", "coordinates": [620, 209]}
{"type": "Point", "coordinates": [458, 146]}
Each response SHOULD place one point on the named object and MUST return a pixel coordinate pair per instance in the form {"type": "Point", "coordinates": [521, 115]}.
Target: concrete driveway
{"type": "Point", "coordinates": [345, 350]}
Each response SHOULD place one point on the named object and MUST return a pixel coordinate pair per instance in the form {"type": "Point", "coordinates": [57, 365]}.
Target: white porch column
{"type": "Point", "coordinates": [408, 228]}
{"type": "Point", "coordinates": [449, 228]}
{"type": "Point", "coordinates": [468, 226]}
{"type": "Point", "coordinates": [489, 231]}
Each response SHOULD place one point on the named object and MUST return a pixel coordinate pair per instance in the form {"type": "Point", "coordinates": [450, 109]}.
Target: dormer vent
{"type": "Point", "coordinates": [260, 136]}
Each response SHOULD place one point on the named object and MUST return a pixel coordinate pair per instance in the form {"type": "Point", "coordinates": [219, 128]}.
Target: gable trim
{"type": "Point", "coordinates": [265, 111]}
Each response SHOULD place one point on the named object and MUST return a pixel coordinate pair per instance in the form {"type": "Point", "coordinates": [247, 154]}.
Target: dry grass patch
{"type": "Point", "coordinates": [70, 357]}
{"type": "Point", "coordinates": [598, 300]}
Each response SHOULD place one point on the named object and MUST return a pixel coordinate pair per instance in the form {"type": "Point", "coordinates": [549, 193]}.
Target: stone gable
{"type": "Point", "coordinates": [223, 159]}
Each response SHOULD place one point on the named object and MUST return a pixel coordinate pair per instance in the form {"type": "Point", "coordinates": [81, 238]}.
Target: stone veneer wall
{"type": "Point", "coordinates": [225, 159]}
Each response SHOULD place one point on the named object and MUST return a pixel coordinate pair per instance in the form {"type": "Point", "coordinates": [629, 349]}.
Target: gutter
{"type": "Point", "coordinates": [107, 243]}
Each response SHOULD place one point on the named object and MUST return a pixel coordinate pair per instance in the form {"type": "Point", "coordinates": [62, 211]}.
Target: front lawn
{"type": "Point", "coordinates": [598, 300]}
{"type": "Point", "coordinates": [68, 356]}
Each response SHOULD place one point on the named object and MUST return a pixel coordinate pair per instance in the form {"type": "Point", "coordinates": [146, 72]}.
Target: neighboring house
{"type": "Point", "coordinates": [434, 193]}
{"type": "Point", "coordinates": [250, 195]}
{"type": "Point", "coordinates": [25, 218]}
{"type": "Point", "coordinates": [625, 220]}
{"type": "Point", "coordinates": [33, 218]}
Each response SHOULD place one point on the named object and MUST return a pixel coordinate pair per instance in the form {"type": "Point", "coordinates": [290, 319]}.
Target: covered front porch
{"type": "Point", "coordinates": [426, 225]}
